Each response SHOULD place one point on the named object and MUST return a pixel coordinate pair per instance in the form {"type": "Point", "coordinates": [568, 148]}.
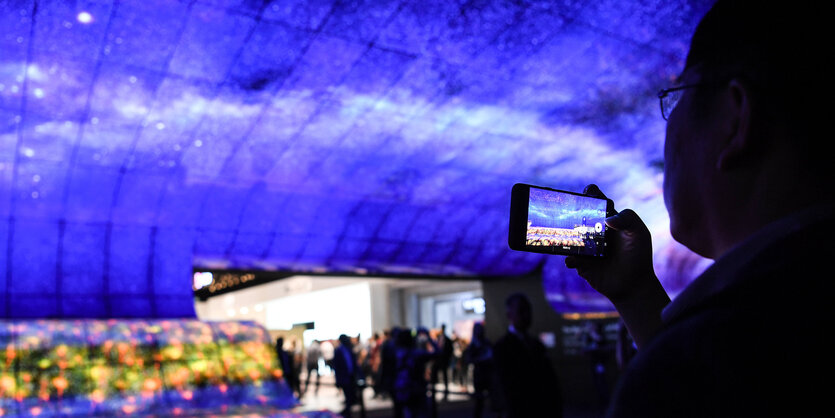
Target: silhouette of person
{"type": "Point", "coordinates": [443, 360]}
{"type": "Point", "coordinates": [596, 349]}
{"type": "Point", "coordinates": [746, 180]}
{"type": "Point", "coordinates": [625, 347]}
{"type": "Point", "coordinates": [525, 374]}
{"type": "Point", "coordinates": [298, 362]}
{"type": "Point", "coordinates": [413, 354]}
{"type": "Point", "coordinates": [377, 367]}
{"type": "Point", "coordinates": [479, 353]}
{"type": "Point", "coordinates": [285, 359]}
{"type": "Point", "coordinates": [314, 353]}
{"type": "Point", "coordinates": [459, 368]}
{"type": "Point", "coordinates": [347, 372]}
{"type": "Point", "coordinates": [388, 363]}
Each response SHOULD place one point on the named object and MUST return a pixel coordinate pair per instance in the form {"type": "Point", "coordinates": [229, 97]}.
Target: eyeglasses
{"type": "Point", "coordinates": [669, 98]}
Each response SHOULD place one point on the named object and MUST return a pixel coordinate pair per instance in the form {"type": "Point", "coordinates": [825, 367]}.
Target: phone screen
{"type": "Point", "coordinates": [557, 222]}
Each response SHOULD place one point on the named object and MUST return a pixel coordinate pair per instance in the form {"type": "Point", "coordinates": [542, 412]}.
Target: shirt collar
{"type": "Point", "coordinates": [724, 273]}
{"type": "Point", "coordinates": [515, 331]}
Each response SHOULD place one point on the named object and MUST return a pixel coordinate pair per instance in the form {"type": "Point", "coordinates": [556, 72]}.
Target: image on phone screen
{"type": "Point", "coordinates": [572, 223]}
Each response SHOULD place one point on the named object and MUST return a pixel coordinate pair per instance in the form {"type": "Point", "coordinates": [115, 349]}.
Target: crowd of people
{"type": "Point", "coordinates": [413, 368]}
{"type": "Point", "coordinates": [398, 364]}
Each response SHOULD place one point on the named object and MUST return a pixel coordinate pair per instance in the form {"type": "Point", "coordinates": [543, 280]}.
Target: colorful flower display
{"type": "Point", "coordinates": [125, 367]}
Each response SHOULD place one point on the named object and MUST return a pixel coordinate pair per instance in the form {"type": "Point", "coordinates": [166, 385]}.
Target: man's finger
{"type": "Point", "coordinates": [571, 262]}
{"type": "Point", "coordinates": [625, 220]}
{"type": "Point", "coordinates": [594, 191]}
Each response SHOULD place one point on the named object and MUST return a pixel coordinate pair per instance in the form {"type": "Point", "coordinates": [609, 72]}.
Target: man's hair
{"type": "Point", "coordinates": [517, 298]}
{"type": "Point", "coordinates": [779, 48]}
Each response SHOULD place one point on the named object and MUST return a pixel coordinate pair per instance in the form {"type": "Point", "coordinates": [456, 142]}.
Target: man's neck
{"type": "Point", "coordinates": [761, 221]}
{"type": "Point", "coordinates": [517, 331]}
{"type": "Point", "coordinates": [752, 199]}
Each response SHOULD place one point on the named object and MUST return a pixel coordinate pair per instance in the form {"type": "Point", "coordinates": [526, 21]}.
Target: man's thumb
{"type": "Point", "coordinates": [626, 220]}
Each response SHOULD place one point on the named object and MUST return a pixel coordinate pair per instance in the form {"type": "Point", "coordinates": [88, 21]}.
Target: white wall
{"type": "Point", "coordinates": [339, 310]}
{"type": "Point", "coordinates": [338, 305]}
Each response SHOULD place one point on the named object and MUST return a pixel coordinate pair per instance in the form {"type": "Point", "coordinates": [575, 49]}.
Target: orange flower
{"type": "Point", "coordinates": [97, 396]}
{"type": "Point", "coordinates": [7, 384]}
{"type": "Point", "coordinates": [60, 383]}
{"type": "Point", "coordinates": [61, 350]}
{"type": "Point", "coordinates": [151, 384]}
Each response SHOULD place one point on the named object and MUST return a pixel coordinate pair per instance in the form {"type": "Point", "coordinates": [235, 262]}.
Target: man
{"type": "Point", "coordinates": [313, 355]}
{"type": "Point", "coordinates": [388, 362]}
{"type": "Point", "coordinates": [327, 349]}
{"type": "Point", "coordinates": [745, 184]}
{"type": "Point", "coordinates": [479, 353]}
{"type": "Point", "coordinates": [442, 362]}
{"type": "Point", "coordinates": [412, 355]}
{"type": "Point", "coordinates": [287, 364]}
{"type": "Point", "coordinates": [525, 374]}
{"type": "Point", "coordinates": [347, 372]}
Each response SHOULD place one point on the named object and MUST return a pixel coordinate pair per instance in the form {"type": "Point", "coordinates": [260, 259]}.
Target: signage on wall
{"type": "Point", "coordinates": [474, 306]}
{"type": "Point", "coordinates": [208, 283]}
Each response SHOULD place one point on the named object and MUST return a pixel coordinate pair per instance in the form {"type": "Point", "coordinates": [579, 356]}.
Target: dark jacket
{"type": "Point", "coordinates": [345, 367]}
{"type": "Point", "coordinates": [527, 378]}
{"type": "Point", "coordinates": [748, 337]}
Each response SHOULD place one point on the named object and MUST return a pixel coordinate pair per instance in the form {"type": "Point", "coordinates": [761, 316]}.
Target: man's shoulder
{"type": "Point", "coordinates": [506, 339]}
{"type": "Point", "coordinates": [719, 363]}
{"type": "Point", "coordinates": [786, 274]}
{"type": "Point", "coordinates": [506, 343]}
{"type": "Point", "coordinates": [726, 353]}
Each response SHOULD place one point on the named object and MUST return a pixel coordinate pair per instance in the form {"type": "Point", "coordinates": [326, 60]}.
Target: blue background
{"type": "Point", "coordinates": [140, 139]}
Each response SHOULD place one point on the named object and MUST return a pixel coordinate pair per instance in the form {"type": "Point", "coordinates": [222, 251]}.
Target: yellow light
{"type": "Point", "coordinates": [589, 315]}
{"type": "Point", "coordinates": [7, 384]}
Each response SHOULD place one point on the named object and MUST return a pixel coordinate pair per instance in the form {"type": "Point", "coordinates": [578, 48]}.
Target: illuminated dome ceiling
{"type": "Point", "coordinates": [141, 138]}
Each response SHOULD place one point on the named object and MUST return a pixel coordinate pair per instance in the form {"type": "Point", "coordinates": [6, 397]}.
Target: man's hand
{"type": "Point", "coordinates": [628, 261]}
{"type": "Point", "coordinates": [626, 275]}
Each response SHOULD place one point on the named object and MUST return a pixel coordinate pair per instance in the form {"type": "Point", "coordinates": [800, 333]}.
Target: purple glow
{"type": "Point", "coordinates": [382, 136]}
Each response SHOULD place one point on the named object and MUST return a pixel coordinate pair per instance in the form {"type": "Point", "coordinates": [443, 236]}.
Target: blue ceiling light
{"type": "Point", "coordinates": [141, 138]}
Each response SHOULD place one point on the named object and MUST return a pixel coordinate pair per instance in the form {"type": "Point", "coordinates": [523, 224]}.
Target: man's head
{"type": "Point", "coordinates": [518, 309]}
{"type": "Point", "coordinates": [747, 135]}
{"type": "Point", "coordinates": [478, 331]}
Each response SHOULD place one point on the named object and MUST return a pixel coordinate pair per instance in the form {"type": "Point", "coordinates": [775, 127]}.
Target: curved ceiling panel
{"type": "Point", "coordinates": [328, 136]}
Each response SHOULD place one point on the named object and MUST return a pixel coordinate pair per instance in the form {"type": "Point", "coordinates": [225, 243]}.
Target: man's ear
{"type": "Point", "coordinates": [736, 125]}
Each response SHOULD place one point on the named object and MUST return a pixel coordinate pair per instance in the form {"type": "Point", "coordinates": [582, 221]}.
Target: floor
{"type": "Point", "coordinates": [458, 403]}
{"type": "Point", "coordinates": [330, 398]}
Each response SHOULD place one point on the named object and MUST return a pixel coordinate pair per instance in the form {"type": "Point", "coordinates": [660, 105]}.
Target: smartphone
{"type": "Point", "coordinates": [550, 221]}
